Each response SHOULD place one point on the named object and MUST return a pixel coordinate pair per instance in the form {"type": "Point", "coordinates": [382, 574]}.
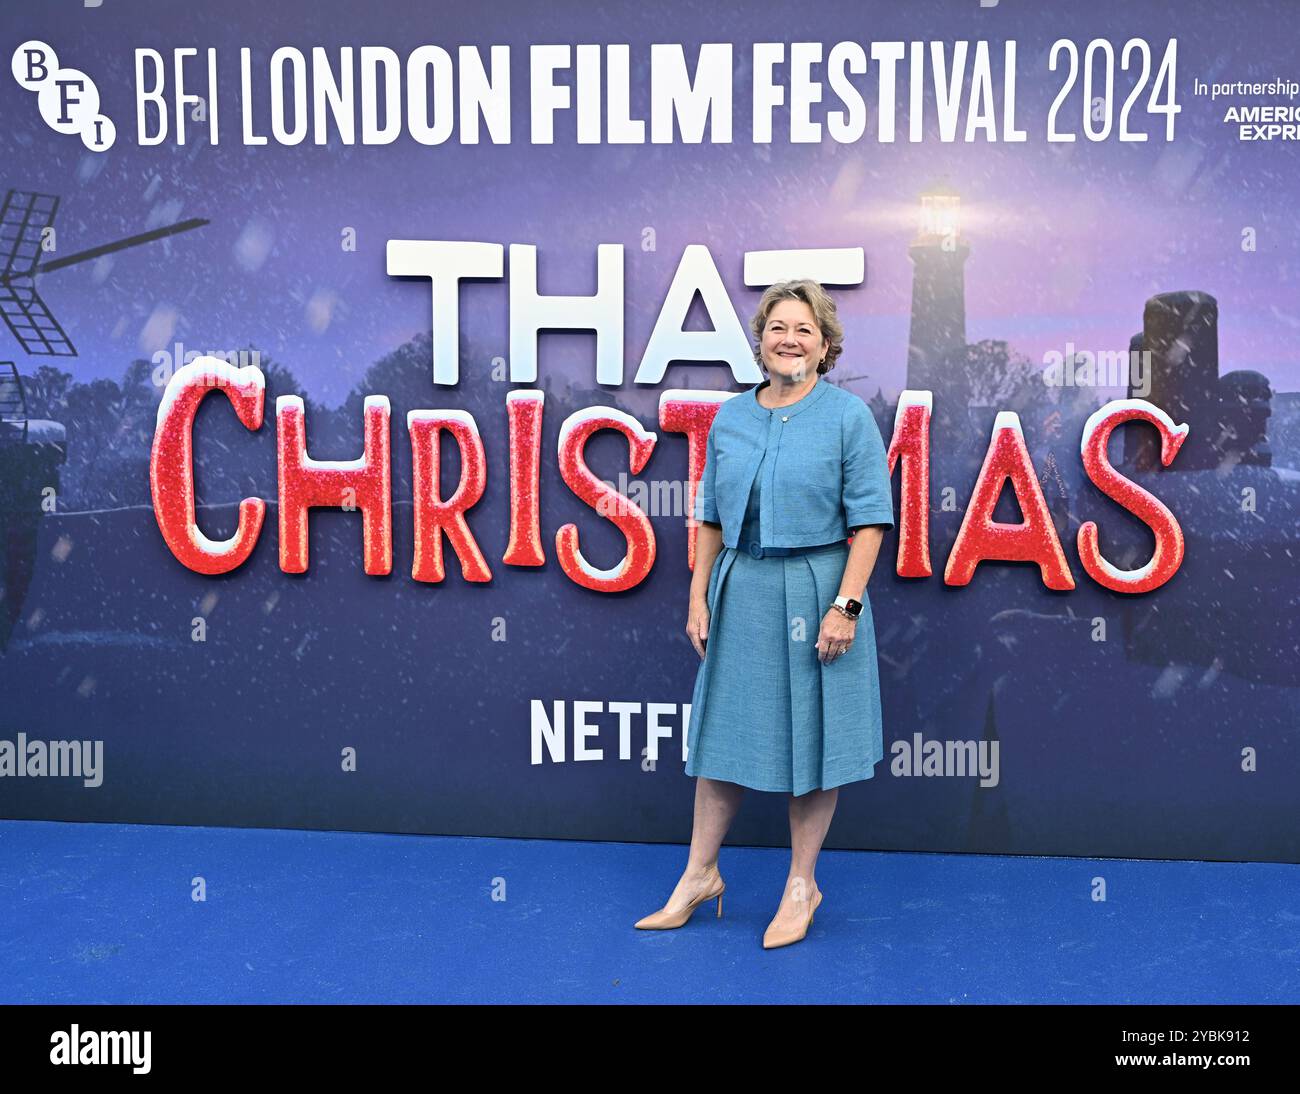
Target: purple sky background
{"type": "Point", "coordinates": [1067, 241]}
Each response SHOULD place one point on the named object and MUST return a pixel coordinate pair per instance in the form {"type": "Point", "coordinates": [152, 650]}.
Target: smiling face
{"type": "Point", "coordinates": [792, 345]}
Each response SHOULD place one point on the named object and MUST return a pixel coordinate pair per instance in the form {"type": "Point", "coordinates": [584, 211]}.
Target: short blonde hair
{"type": "Point", "coordinates": [823, 309]}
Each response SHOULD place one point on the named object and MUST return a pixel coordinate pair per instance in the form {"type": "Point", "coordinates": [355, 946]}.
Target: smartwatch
{"type": "Point", "coordinates": [849, 605]}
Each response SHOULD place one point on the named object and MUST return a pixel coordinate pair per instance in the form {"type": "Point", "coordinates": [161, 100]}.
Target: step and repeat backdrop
{"type": "Point", "coordinates": [358, 365]}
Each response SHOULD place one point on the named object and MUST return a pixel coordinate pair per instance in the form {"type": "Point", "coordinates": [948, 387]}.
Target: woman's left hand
{"type": "Point", "coordinates": [835, 637]}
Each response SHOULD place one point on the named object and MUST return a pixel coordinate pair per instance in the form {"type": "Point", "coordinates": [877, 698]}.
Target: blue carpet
{"type": "Point", "coordinates": [102, 913]}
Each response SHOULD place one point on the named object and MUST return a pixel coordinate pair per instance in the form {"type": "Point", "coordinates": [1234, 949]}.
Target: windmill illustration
{"type": "Point", "coordinates": [32, 450]}
{"type": "Point", "coordinates": [24, 217]}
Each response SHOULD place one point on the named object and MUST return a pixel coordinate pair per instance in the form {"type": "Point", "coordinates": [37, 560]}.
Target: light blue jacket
{"type": "Point", "coordinates": [829, 472]}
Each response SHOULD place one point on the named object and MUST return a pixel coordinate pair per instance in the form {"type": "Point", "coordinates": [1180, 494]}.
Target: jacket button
{"type": "Point", "coordinates": [756, 550]}
{"type": "Point", "coordinates": [785, 418]}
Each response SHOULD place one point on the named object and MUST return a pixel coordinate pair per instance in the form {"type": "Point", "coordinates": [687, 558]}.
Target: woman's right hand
{"type": "Point", "coordinates": [697, 625]}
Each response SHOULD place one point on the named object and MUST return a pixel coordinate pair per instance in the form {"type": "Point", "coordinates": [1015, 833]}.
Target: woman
{"type": "Point", "coordinates": [787, 698]}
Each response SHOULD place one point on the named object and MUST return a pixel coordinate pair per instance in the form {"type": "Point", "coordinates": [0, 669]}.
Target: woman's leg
{"type": "Point", "coordinates": [716, 804]}
{"type": "Point", "coordinates": [810, 819]}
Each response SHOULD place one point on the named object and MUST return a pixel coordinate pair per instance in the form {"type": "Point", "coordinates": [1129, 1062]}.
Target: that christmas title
{"type": "Point", "coordinates": [365, 484]}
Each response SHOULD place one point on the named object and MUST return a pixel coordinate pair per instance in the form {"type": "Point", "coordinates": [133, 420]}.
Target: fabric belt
{"type": "Point", "coordinates": [755, 550]}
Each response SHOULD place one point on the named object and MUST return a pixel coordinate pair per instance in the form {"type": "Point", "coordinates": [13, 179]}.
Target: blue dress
{"type": "Point", "coordinates": [765, 712]}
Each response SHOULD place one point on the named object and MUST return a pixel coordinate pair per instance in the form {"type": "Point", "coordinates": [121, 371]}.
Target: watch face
{"type": "Point", "coordinates": [854, 607]}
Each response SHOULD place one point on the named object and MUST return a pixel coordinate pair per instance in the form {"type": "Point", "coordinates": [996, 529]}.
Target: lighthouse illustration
{"type": "Point", "coordinates": [938, 254]}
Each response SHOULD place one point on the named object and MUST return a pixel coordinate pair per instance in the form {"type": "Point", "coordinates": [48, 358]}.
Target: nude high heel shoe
{"type": "Point", "coordinates": [664, 920]}
{"type": "Point", "coordinates": [776, 936]}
